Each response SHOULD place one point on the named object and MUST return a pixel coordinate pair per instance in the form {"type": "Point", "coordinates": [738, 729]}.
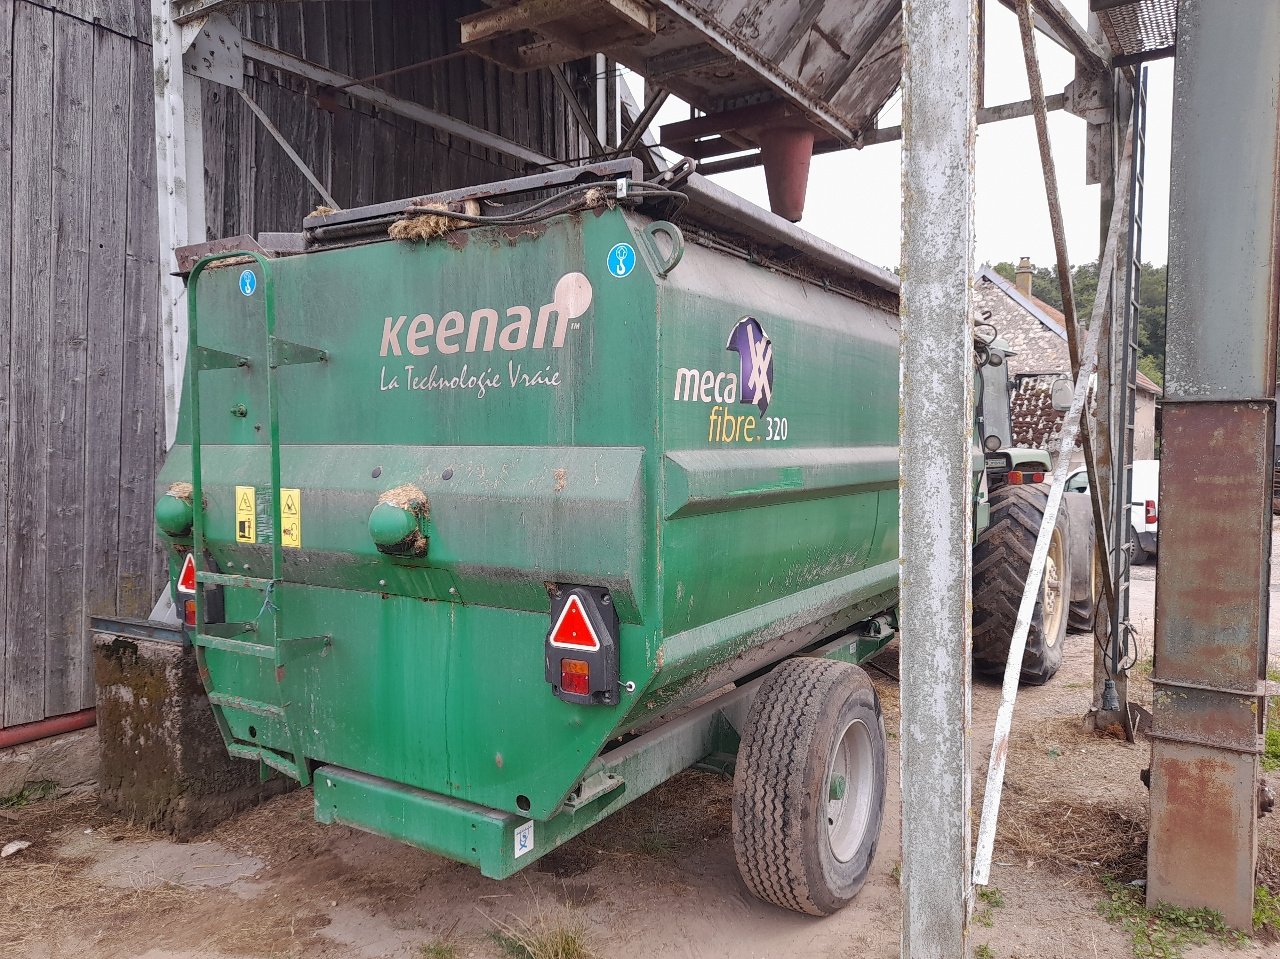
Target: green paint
{"type": "Point", "coordinates": [391, 525]}
{"type": "Point", "coordinates": [173, 515]}
{"type": "Point", "coordinates": [564, 425]}
{"type": "Point", "coordinates": [838, 788]}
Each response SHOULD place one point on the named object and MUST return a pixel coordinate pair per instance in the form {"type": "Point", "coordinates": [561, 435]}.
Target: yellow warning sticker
{"type": "Point", "coordinates": [291, 518]}
{"type": "Point", "coordinates": [245, 498]}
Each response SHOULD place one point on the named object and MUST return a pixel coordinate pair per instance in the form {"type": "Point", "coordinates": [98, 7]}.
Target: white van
{"type": "Point", "coordinates": [1144, 504]}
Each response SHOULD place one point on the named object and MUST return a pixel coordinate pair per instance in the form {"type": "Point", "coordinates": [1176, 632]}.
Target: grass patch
{"type": "Point", "coordinates": [29, 793]}
{"type": "Point", "coordinates": [896, 874]}
{"type": "Point", "coordinates": [439, 950]}
{"type": "Point", "coordinates": [1271, 748]}
{"type": "Point", "coordinates": [992, 896]}
{"type": "Point", "coordinates": [983, 951]}
{"type": "Point", "coordinates": [1166, 931]}
{"type": "Point", "coordinates": [1266, 914]}
{"type": "Point", "coordinates": [542, 938]}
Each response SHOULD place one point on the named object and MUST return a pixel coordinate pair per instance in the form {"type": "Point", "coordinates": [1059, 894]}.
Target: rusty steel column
{"type": "Point", "coordinates": [1219, 429]}
{"type": "Point", "coordinates": [936, 470]}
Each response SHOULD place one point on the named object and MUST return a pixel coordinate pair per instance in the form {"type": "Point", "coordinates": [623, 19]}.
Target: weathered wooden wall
{"type": "Point", "coordinates": [80, 382]}
{"type": "Point", "coordinates": [360, 154]}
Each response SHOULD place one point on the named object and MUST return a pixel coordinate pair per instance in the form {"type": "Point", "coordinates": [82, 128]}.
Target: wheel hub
{"type": "Point", "coordinates": [849, 781]}
{"type": "Point", "coordinates": [1051, 591]}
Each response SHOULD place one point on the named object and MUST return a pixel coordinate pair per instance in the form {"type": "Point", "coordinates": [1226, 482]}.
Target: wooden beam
{"type": "Point", "coordinates": [503, 21]}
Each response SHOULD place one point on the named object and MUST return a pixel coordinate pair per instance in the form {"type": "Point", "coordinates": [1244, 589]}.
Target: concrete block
{"type": "Point", "coordinates": [163, 762]}
{"type": "Point", "coordinates": [69, 761]}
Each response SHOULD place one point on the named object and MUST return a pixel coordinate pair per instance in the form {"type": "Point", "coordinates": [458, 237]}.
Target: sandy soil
{"type": "Point", "coordinates": [656, 880]}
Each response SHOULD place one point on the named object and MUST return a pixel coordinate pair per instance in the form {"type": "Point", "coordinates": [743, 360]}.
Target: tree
{"type": "Point", "coordinates": [1147, 364]}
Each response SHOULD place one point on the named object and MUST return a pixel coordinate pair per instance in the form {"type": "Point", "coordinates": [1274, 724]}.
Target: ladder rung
{"type": "Point", "coordinates": [275, 761]}
{"type": "Point", "coordinates": [231, 579]}
{"type": "Point", "coordinates": [234, 646]}
{"type": "Point", "coordinates": [247, 705]}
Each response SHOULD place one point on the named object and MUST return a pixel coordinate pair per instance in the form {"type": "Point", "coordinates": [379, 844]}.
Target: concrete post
{"type": "Point", "coordinates": [936, 462]}
{"type": "Point", "coordinates": [1215, 475]}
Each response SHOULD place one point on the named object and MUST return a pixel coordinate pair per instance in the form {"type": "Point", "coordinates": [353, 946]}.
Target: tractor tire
{"type": "Point", "coordinates": [1084, 572]}
{"type": "Point", "coordinates": [1001, 561]}
{"type": "Point", "coordinates": [808, 790]}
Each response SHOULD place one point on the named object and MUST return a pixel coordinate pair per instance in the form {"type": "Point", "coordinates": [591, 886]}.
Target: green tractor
{"type": "Point", "coordinates": [1008, 518]}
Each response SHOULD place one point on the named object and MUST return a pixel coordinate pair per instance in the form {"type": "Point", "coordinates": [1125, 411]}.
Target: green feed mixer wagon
{"type": "Point", "coordinates": [492, 510]}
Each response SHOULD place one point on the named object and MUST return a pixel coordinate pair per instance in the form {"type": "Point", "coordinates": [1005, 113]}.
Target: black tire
{"type": "Point", "coordinates": [1084, 574]}
{"type": "Point", "coordinates": [1001, 560]}
{"type": "Point", "coordinates": [1140, 556]}
{"type": "Point", "coordinates": [787, 819]}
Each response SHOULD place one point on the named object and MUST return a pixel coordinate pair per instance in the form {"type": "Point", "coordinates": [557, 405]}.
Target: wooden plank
{"type": "Point", "coordinates": [117, 15]}
{"type": "Point", "coordinates": [406, 49]}
{"type": "Point", "coordinates": [214, 100]}
{"type": "Point", "coordinates": [31, 301]}
{"type": "Point", "coordinates": [264, 189]}
{"type": "Point", "coordinates": [316, 44]}
{"type": "Point", "coordinates": [62, 591]}
{"type": "Point", "coordinates": [141, 404]}
{"type": "Point", "coordinates": [6, 234]}
{"type": "Point", "coordinates": [346, 122]}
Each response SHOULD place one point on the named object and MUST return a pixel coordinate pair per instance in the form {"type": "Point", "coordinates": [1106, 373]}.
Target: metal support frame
{"type": "Point", "coordinates": [1064, 270]}
{"type": "Point", "coordinates": [585, 122]}
{"type": "Point", "coordinates": [290, 152]}
{"type": "Point", "coordinates": [298, 67]}
{"type": "Point", "coordinates": [1209, 713]}
{"type": "Point", "coordinates": [1125, 399]}
{"type": "Point", "coordinates": [992, 114]}
{"type": "Point", "coordinates": [179, 133]}
{"type": "Point", "coordinates": [936, 463]}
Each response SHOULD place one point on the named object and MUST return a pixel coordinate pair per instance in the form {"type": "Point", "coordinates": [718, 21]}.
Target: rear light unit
{"type": "Point", "coordinates": [1151, 511]}
{"type": "Point", "coordinates": [582, 646]}
{"type": "Point", "coordinates": [189, 613]}
{"type": "Point", "coordinates": [575, 677]}
{"type": "Point", "coordinates": [1022, 477]}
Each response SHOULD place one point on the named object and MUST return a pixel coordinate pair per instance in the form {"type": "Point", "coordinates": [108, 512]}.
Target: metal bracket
{"type": "Point", "coordinates": [296, 647]}
{"type": "Point", "coordinates": [211, 359]}
{"type": "Point", "coordinates": [591, 789]}
{"type": "Point", "coordinates": [284, 353]}
{"type": "Point", "coordinates": [1090, 98]}
{"type": "Point", "coordinates": [214, 52]}
{"type": "Point", "coordinates": [662, 263]}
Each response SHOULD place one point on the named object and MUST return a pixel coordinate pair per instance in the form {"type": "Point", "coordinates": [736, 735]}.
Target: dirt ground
{"type": "Point", "coordinates": [656, 880]}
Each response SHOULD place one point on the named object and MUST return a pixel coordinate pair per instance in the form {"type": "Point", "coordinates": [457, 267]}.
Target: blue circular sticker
{"type": "Point", "coordinates": [248, 282]}
{"type": "Point", "coordinates": [622, 259]}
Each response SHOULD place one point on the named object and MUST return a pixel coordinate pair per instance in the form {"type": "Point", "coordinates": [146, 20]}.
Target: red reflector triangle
{"type": "Point", "coordinates": [187, 578]}
{"type": "Point", "coordinates": [573, 629]}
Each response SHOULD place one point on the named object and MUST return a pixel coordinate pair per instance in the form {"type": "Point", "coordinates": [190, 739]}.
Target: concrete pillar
{"type": "Point", "coordinates": [938, 124]}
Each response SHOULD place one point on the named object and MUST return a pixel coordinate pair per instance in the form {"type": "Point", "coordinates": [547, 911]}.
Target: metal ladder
{"type": "Point", "coordinates": [1122, 477]}
{"type": "Point", "coordinates": [268, 641]}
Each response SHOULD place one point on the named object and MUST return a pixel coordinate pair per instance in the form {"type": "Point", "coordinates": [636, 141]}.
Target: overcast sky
{"type": "Point", "coordinates": [855, 196]}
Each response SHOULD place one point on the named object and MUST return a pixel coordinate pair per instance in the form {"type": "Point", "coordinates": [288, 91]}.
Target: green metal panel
{"type": "Point", "coordinates": [716, 446]}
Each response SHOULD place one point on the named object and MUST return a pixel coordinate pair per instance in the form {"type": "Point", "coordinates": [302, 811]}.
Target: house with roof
{"type": "Point", "coordinates": [1036, 333]}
